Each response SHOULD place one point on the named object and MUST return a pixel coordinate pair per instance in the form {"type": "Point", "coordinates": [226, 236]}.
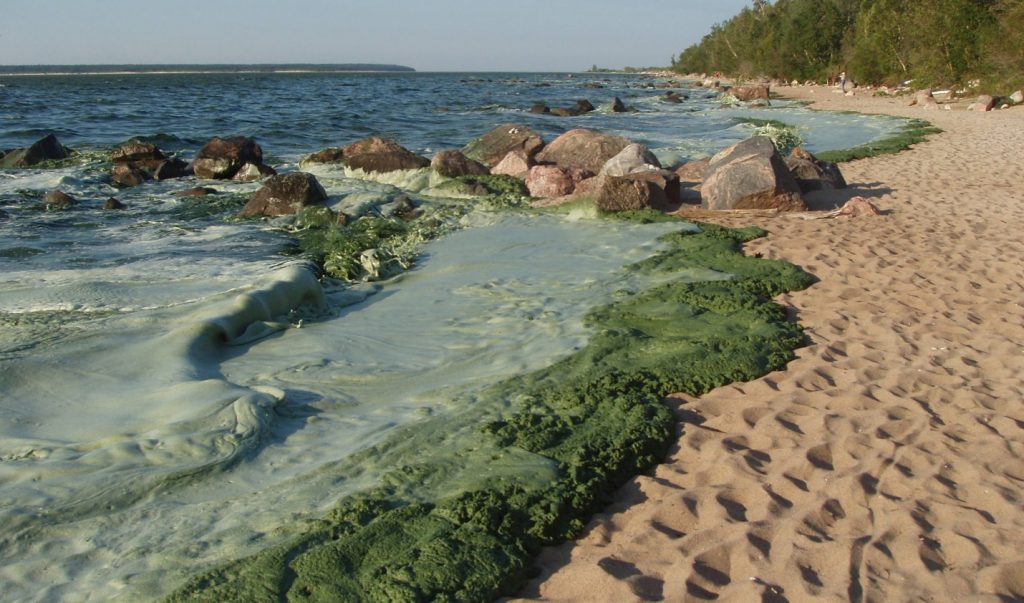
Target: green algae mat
{"type": "Point", "coordinates": [546, 449]}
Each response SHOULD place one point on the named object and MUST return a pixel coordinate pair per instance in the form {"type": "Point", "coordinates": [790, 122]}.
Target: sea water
{"type": "Point", "coordinates": [177, 390]}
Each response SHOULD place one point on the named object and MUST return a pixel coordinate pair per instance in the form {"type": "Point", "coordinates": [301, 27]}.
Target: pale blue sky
{"type": "Point", "coordinates": [430, 35]}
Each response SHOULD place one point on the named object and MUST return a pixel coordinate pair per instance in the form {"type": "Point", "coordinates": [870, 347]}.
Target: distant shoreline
{"type": "Point", "coordinates": [174, 69]}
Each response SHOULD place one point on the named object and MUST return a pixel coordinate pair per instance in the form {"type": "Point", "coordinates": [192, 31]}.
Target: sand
{"type": "Point", "coordinates": [887, 462]}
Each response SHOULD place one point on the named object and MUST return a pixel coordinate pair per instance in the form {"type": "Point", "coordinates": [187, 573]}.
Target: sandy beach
{"type": "Point", "coordinates": [887, 462]}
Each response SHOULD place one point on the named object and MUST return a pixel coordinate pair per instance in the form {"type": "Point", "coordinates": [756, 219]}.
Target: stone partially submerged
{"type": "Point", "coordinates": [285, 194]}
{"type": "Point", "coordinates": [47, 148]}
{"type": "Point", "coordinates": [453, 163]}
{"type": "Point", "coordinates": [750, 175]}
{"type": "Point", "coordinates": [376, 154]}
{"type": "Point", "coordinates": [582, 148]}
{"type": "Point", "coordinates": [222, 158]}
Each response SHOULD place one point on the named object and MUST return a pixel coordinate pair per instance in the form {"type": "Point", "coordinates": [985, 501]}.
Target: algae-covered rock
{"type": "Point", "coordinates": [492, 147]}
{"type": "Point", "coordinates": [45, 149]}
{"type": "Point", "coordinates": [596, 417]}
{"type": "Point", "coordinates": [285, 194]}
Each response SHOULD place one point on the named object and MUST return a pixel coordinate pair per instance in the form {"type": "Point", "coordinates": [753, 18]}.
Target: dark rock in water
{"type": "Point", "coordinates": [582, 148]}
{"type": "Point", "coordinates": [221, 158]}
{"type": "Point", "coordinates": [515, 163]}
{"type": "Point", "coordinates": [584, 106]}
{"type": "Point", "coordinates": [539, 108]}
{"type": "Point", "coordinates": [113, 203]}
{"type": "Point", "coordinates": [492, 147]}
{"type": "Point", "coordinates": [331, 155]}
{"type": "Point", "coordinates": [452, 163]}
{"type": "Point", "coordinates": [750, 175]}
{"type": "Point", "coordinates": [633, 191]}
{"type": "Point", "coordinates": [4, 215]}
{"type": "Point", "coordinates": [548, 181]}
{"type": "Point", "coordinates": [143, 155]}
{"type": "Point", "coordinates": [171, 168]}
{"type": "Point", "coordinates": [377, 154]}
{"type": "Point", "coordinates": [199, 191]}
{"type": "Point", "coordinates": [618, 106]}
{"type": "Point", "coordinates": [285, 194]}
{"type": "Point", "coordinates": [812, 174]}
{"type": "Point", "coordinates": [251, 172]}
{"type": "Point", "coordinates": [59, 200]}
{"type": "Point", "coordinates": [673, 97]}
{"type": "Point", "coordinates": [563, 112]}
{"type": "Point", "coordinates": [128, 174]}
{"type": "Point", "coordinates": [44, 149]}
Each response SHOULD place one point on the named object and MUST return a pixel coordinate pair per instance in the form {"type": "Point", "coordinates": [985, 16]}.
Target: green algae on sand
{"type": "Point", "coordinates": [576, 430]}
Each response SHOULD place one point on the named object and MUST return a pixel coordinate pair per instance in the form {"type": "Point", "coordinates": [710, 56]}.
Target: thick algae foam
{"type": "Point", "coordinates": [547, 448]}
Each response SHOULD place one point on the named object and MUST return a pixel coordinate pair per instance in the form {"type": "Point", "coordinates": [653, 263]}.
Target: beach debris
{"type": "Point", "coordinates": [45, 149]}
{"type": "Point", "coordinates": [285, 194]}
{"type": "Point", "coordinates": [452, 164]}
{"type": "Point", "coordinates": [582, 148]}
{"type": "Point", "coordinates": [750, 175]}
{"type": "Point", "coordinates": [493, 146]}
{"type": "Point", "coordinates": [854, 208]}
{"type": "Point", "coordinates": [812, 174]}
{"type": "Point", "coordinates": [221, 158]}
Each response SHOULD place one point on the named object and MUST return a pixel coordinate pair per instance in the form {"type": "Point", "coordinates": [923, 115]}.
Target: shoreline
{"type": "Point", "coordinates": [885, 463]}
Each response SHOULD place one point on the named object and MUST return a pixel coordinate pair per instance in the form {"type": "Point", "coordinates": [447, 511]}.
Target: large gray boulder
{"type": "Point", "coordinates": [221, 158]}
{"type": "Point", "coordinates": [44, 149]}
{"type": "Point", "coordinates": [812, 174]}
{"type": "Point", "coordinates": [285, 194]}
{"type": "Point", "coordinates": [453, 163]}
{"type": "Point", "coordinates": [493, 146]}
{"type": "Point", "coordinates": [750, 175]}
{"type": "Point", "coordinates": [376, 154]}
{"type": "Point", "coordinates": [582, 148]}
{"type": "Point", "coordinates": [634, 157]}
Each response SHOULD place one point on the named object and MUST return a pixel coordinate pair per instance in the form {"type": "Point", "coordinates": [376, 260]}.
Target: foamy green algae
{"type": "Point", "coordinates": [596, 416]}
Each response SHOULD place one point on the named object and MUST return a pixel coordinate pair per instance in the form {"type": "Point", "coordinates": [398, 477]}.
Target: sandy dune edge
{"type": "Point", "coordinates": [887, 462]}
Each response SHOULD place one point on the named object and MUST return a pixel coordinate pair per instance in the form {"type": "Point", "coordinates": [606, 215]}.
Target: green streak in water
{"type": "Point", "coordinates": [449, 528]}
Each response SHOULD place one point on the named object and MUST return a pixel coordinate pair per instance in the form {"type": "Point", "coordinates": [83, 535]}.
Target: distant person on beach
{"type": "Point", "coordinates": [842, 81]}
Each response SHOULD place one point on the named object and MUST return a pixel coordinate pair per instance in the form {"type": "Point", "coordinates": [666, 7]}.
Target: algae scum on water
{"type": "Point", "coordinates": [537, 453]}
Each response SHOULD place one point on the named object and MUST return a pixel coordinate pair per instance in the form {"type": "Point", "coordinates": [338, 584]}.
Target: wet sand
{"type": "Point", "coordinates": [887, 462]}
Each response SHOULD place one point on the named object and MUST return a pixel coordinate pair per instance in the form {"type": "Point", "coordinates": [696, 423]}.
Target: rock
{"type": "Point", "coordinates": [113, 203]}
{"type": "Point", "coordinates": [749, 93]}
{"type": "Point", "coordinates": [515, 163]}
{"type": "Point", "coordinates": [618, 106]}
{"type": "Point", "coordinates": [493, 146]}
{"type": "Point", "coordinates": [666, 180]}
{"type": "Point", "coordinates": [539, 108]}
{"type": "Point", "coordinates": [750, 175]}
{"type": "Point", "coordinates": [983, 104]}
{"type": "Point", "coordinates": [584, 106]}
{"type": "Point", "coordinates": [59, 200]}
{"type": "Point", "coordinates": [331, 155]}
{"type": "Point", "coordinates": [377, 154]}
{"type": "Point", "coordinates": [693, 171]}
{"type": "Point", "coordinates": [673, 97]}
{"type": "Point", "coordinates": [128, 174]}
{"type": "Point", "coordinates": [563, 112]}
{"type": "Point", "coordinates": [199, 191]}
{"type": "Point", "coordinates": [221, 158]}
{"type": "Point", "coordinates": [710, 83]}
{"type": "Point", "coordinates": [549, 181]}
{"type": "Point", "coordinates": [4, 215]}
{"type": "Point", "coordinates": [252, 172]}
{"type": "Point", "coordinates": [45, 149]}
{"type": "Point", "coordinates": [401, 206]}
{"type": "Point", "coordinates": [924, 99]}
{"type": "Point", "coordinates": [813, 174]}
{"type": "Point", "coordinates": [142, 155]}
{"type": "Point", "coordinates": [1017, 97]}
{"type": "Point", "coordinates": [619, 193]}
{"type": "Point", "coordinates": [581, 148]}
{"type": "Point", "coordinates": [171, 168]}
{"type": "Point", "coordinates": [453, 163]}
{"type": "Point", "coordinates": [634, 157]}
{"type": "Point", "coordinates": [285, 194]}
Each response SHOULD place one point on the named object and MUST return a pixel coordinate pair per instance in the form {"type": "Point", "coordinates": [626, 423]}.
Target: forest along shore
{"type": "Point", "coordinates": [887, 461]}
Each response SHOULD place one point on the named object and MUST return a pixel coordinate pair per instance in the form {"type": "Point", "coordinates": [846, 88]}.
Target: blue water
{"type": "Point", "coordinates": [176, 390]}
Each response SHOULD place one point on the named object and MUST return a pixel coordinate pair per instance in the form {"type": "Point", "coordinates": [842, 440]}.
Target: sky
{"type": "Point", "coordinates": [428, 35]}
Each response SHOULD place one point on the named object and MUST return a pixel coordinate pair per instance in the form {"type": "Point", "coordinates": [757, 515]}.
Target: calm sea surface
{"type": "Point", "coordinates": [176, 391]}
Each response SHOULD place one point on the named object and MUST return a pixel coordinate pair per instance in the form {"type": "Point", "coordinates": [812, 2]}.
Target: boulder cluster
{"type": "Point", "coordinates": [615, 173]}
